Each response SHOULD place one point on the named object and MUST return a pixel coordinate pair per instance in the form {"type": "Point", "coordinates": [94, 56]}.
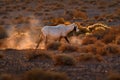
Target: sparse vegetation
{"type": "Point", "coordinates": [94, 49]}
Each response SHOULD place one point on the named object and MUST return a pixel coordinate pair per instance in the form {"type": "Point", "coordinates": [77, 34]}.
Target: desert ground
{"type": "Point", "coordinates": [93, 52]}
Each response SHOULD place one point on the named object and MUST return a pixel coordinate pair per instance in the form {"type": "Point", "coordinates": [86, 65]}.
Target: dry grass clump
{"type": "Point", "coordinates": [41, 55]}
{"type": "Point", "coordinates": [68, 48]}
{"type": "Point", "coordinates": [38, 74]}
{"type": "Point", "coordinates": [6, 77]}
{"type": "Point", "coordinates": [98, 30]}
{"type": "Point", "coordinates": [64, 59]}
{"type": "Point", "coordinates": [3, 33]}
{"type": "Point", "coordinates": [53, 45]}
{"type": "Point", "coordinates": [113, 76]}
{"type": "Point", "coordinates": [89, 40]}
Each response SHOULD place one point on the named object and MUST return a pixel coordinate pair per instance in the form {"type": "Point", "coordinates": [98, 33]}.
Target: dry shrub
{"type": "Point", "coordinates": [68, 48]}
{"type": "Point", "coordinates": [112, 75]}
{"type": "Point", "coordinates": [38, 74]}
{"type": "Point", "coordinates": [89, 40]}
{"type": "Point", "coordinates": [6, 77]}
{"type": "Point", "coordinates": [112, 49]}
{"type": "Point", "coordinates": [64, 59]}
{"type": "Point", "coordinates": [41, 55]}
{"type": "Point", "coordinates": [86, 57]}
{"type": "Point", "coordinates": [3, 33]}
{"type": "Point", "coordinates": [98, 30]}
{"type": "Point", "coordinates": [56, 21]}
{"type": "Point", "coordinates": [53, 45]}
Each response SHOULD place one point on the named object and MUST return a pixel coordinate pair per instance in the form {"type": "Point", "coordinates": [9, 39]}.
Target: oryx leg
{"type": "Point", "coordinates": [60, 38]}
{"type": "Point", "coordinates": [67, 39]}
{"type": "Point", "coordinates": [46, 40]}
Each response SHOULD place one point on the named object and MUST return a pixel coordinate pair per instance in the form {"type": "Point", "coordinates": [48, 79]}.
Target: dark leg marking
{"type": "Point", "coordinates": [67, 39]}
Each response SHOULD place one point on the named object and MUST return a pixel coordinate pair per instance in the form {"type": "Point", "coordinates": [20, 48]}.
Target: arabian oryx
{"type": "Point", "coordinates": [57, 32]}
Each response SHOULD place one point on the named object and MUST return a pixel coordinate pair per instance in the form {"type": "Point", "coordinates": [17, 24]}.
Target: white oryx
{"type": "Point", "coordinates": [57, 32]}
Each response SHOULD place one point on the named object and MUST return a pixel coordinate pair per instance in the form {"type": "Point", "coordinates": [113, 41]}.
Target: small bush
{"type": "Point", "coordinates": [38, 74]}
{"type": "Point", "coordinates": [53, 45]}
{"type": "Point", "coordinates": [41, 55]}
{"type": "Point", "coordinates": [89, 40]}
{"type": "Point", "coordinates": [63, 59]}
{"type": "Point", "coordinates": [113, 76]}
{"type": "Point", "coordinates": [68, 48]}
